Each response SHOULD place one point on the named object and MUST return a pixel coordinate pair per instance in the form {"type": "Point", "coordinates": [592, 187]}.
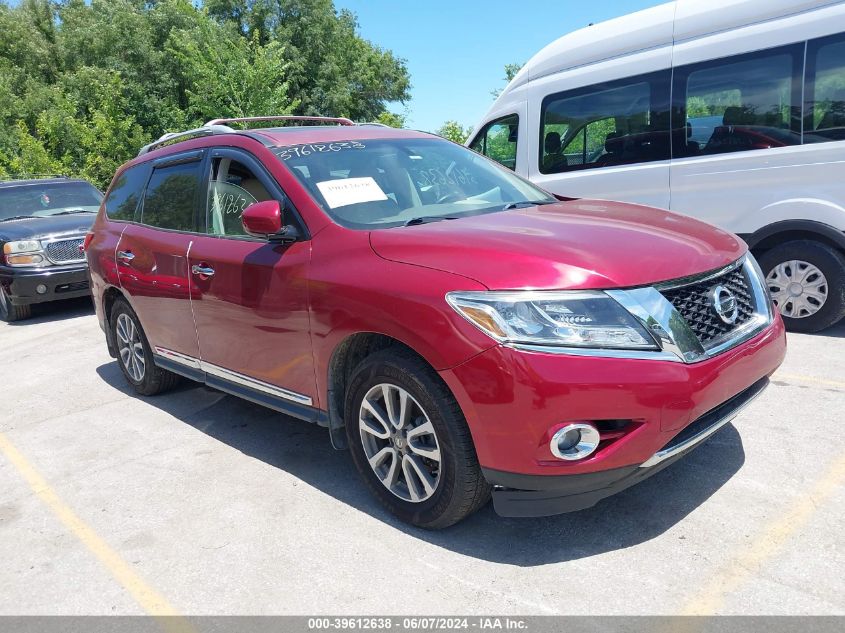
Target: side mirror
{"type": "Point", "coordinates": [263, 219]}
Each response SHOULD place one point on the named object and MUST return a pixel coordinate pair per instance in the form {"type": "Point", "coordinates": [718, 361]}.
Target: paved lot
{"type": "Point", "coordinates": [199, 503]}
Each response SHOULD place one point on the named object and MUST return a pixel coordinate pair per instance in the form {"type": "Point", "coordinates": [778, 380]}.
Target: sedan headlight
{"type": "Point", "coordinates": [23, 253]}
{"type": "Point", "coordinates": [567, 319]}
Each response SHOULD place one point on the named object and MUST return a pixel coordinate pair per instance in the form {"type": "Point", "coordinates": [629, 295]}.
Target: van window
{"type": "Point", "coordinates": [171, 197]}
{"type": "Point", "coordinates": [616, 123]}
{"type": "Point", "coordinates": [123, 197]}
{"type": "Point", "coordinates": [739, 103]}
{"type": "Point", "coordinates": [498, 140]}
{"type": "Point", "coordinates": [232, 188]}
{"type": "Point", "coordinates": [825, 91]}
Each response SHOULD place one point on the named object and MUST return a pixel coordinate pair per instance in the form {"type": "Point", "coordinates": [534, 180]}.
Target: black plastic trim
{"type": "Point", "coordinates": [786, 226]}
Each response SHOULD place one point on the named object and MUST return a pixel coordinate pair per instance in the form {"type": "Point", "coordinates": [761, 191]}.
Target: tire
{"type": "Point", "coordinates": [10, 312]}
{"type": "Point", "coordinates": [460, 488]}
{"type": "Point", "coordinates": [141, 371]}
{"type": "Point", "coordinates": [819, 272]}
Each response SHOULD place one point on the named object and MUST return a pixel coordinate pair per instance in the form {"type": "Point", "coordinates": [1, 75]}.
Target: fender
{"type": "Point", "coordinates": [831, 234]}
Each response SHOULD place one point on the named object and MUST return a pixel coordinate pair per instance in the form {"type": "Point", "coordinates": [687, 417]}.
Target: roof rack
{"type": "Point", "coordinates": [286, 117]}
{"type": "Point", "coordinates": [219, 126]}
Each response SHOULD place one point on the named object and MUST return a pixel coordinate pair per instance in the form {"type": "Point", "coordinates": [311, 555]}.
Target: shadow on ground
{"type": "Point", "coordinates": [57, 311]}
{"type": "Point", "coordinates": [303, 450]}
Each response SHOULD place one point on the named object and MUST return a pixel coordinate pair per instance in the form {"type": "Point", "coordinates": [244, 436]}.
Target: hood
{"type": "Point", "coordinates": [39, 228]}
{"type": "Point", "coordinates": [580, 244]}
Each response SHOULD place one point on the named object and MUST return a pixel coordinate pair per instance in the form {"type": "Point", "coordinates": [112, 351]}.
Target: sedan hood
{"type": "Point", "coordinates": [39, 228]}
{"type": "Point", "coordinates": [579, 244]}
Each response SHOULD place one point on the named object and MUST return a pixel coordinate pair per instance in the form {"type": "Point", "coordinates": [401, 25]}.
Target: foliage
{"type": "Point", "coordinates": [83, 84]}
{"type": "Point", "coordinates": [391, 119]}
{"type": "Point", "coordinates": [511, 71]}
{"type": "Point", "coordinates": [454, 131]}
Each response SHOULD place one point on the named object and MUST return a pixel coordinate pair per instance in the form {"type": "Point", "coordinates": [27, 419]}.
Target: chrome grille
{"type": "Point", "coordinates": [695, 304]}
{"type": "Point", "coordinates": [63, 251]}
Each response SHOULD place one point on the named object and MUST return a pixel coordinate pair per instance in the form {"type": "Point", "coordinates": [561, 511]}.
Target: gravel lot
{"type": "Point", "coordinates": [199, 503]}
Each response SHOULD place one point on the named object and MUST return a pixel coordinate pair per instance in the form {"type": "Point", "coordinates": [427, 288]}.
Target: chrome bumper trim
{"type": "Point", "coordinates": [749, 396]}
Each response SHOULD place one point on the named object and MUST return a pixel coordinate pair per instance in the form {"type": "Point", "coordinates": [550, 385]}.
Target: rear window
{"type": "Point", "coordinates": [125, 193]}
{"type": "Point", "coordinates": [170, 200]}
{"type": "Point", "coordinates": [46, 199]}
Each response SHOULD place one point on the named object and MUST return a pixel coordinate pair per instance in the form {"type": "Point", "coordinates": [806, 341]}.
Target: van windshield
{"type": "Point", "coordinates": [370, 184]}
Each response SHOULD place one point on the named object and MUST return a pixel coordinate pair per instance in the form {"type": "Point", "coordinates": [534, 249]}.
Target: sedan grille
{"type": "Point", "coordinates": [695, 304]}
{"type": "Point", "coordinates": [64, 251]}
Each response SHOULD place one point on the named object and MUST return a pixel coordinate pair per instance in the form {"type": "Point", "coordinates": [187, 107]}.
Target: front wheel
{"type": "Point", "coordinates": [807, 283]}
{"type": "Point", "coordinates": [10, 312]}
{"type": "Point", "coordinates": [410, 442]}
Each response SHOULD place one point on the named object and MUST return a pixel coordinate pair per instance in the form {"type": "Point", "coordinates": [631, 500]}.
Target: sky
{"type": "Point", "coordinates": [456, 50]}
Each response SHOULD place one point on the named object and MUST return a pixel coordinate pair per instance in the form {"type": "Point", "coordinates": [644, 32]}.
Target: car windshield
{"type": "Point", "coordinates": [46, 199]}
{"type": "Point", "coordinates": [371, 184]}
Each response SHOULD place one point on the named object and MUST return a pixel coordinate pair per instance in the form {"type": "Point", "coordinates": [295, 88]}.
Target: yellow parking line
{"type": "Point", "coordinates": [151, 601]}
{"type": "Point", "coordinates": [812, 379]}
{"type": "Point", "coordinates": [767, 544]}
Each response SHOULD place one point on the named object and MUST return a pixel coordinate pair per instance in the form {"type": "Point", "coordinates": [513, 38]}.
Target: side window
{"type": "Point", "coordinates": [615, 123]}
{"type": "Point", "coordinates": [825, 90]}
{"type": "Point", "coordinates": [740, 103]}
{"type": "Point", "coordinates": [232, 188]}
{"type": "Point", "coordinates": [171, 197]}
{"type": "Point", "coordinates": [498, 140]}
{"type": "Point", "coordinates": [122, 199]}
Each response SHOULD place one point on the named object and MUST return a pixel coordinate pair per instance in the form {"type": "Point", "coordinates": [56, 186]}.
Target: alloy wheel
{"type": "Point", "coordinates": [399, 442]}
{"type": "Point", "coordinates": [799, 289]}
{"type": "Point", "coordinates": [130, 347]}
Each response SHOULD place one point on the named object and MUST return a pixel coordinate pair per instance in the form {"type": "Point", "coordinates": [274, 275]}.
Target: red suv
{"type": "Point", "coordinates": [458, 329]}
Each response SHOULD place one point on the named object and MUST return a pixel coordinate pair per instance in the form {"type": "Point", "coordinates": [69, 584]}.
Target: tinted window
{"type": "Point", "coordinates": [615, 123]}
{"type": "Point", "coordinates": [739, 103]}
{"type": "Point", "coordinates": [233, 187]}
{"type": "Point", "coordinates": [825, 91]}
{"type": "Point", "coordinates": [498, 140]}
{"type": "Point", "coordinates": [45, 199]}
{"type": "Point", "coordinates": [370, 184]}
{"type": "Point", "coordinates": [125, 192]}
{"type": "Point", "coordinates": [171, 197]}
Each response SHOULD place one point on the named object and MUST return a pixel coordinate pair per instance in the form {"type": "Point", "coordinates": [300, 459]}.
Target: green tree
{"type": "Point", "coordinates": [454, 131]}
{"type": "Point", "coordinates": [511, 71]}
{"type": "Point", "coordinates": [391, 119]}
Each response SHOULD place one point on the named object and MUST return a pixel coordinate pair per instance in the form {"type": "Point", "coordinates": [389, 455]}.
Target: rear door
{"type": "Point", "coordinates": [152, 256]}
{"type": "Point", "coordinates": [250, 296]}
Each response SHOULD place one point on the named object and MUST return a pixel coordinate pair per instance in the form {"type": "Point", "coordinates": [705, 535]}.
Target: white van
{"type": "Point", "coordinates": [732, 111]}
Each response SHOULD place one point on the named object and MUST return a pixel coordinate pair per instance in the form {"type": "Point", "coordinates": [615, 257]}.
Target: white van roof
{"type": "Point", "coordinates": [651, 28]}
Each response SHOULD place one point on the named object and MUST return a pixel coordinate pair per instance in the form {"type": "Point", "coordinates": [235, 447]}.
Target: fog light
{"type": "Point", "coordinates": [41, 289]}
{"type": "Point", "coordinates": [575, 441]}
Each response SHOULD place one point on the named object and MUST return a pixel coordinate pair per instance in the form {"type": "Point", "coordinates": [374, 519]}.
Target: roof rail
{"type": "Point", "coordinates": [175, 137]}
{"type": "Point", "coordinates": [250, 119]}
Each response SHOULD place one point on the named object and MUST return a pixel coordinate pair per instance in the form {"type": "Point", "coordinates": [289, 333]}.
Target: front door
{"type": "Point", "coordinates": [152, 257]}
{"type": "Point", "coordinates": [250, 296]}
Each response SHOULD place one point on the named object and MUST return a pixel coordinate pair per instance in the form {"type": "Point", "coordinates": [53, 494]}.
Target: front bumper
{"type": "Point", "coordinates": [538, 495]}
{"type": "Point", "coordinates": [61, 282]}
{"type": "Point", "coordinates": [513, 401]}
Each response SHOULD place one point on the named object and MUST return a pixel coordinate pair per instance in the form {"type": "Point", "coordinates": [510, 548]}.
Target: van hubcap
{"type": "Point", "coordinates": [400, 443]}
{"type": "Point", "coordinates": [130, 347]}
{"type": "Point", "coordinates": [799, 289]}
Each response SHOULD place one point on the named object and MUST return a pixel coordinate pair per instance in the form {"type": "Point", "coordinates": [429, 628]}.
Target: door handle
{"type": "Point", "coordinates": [125, 256]}
{"type": "Point", "coordinates": [202, 271]}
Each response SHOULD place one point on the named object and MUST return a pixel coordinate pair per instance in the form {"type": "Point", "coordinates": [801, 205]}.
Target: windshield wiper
{"type": "Point", "coordinates": [425, 219]}
{"type": "Point", "coordinates": [71, 212]}
{"type": "Point", "coordinates": [20, 217]}
{"type": "Point", "coordinates": [526, 203]}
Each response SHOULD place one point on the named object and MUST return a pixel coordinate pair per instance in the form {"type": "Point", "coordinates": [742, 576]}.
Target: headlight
{"type": "Point", "coordinates": [568, 319]}
{"type": "Point", "coordinates": [23, 253]}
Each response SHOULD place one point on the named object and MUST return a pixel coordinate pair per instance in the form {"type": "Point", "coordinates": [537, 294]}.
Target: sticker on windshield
{"type": "Point", "coordinates": [340, 193]}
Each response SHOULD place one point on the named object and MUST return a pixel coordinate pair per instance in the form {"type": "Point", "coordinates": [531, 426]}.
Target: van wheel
{"type": "Point", "coordinates": [410, 442]}
{"type": "Point", "coordinates": [10, 312]}
{"type": "Point", "coordinates": [134, 354]}
{"type": "Point", "coordinates": [807, 282]}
